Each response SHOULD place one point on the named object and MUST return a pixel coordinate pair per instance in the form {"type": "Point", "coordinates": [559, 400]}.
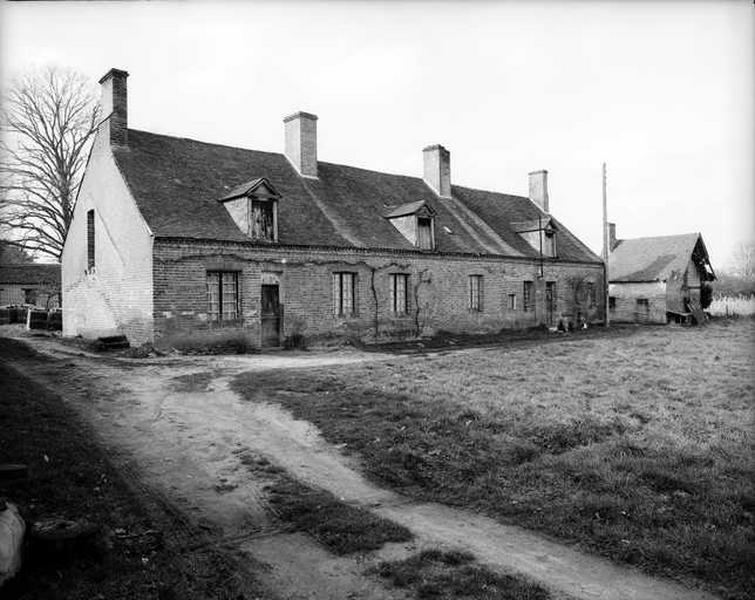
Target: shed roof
{"type": "Point", "coordinates": [653, 258]}
{"type": "Point", "coordinates": [177, 183]}
{"type": "Point", "coordinates": [30, 273]}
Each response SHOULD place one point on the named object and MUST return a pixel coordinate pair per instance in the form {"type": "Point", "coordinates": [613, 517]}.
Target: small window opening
{"type": "Point", "coordinates": [90, 239]}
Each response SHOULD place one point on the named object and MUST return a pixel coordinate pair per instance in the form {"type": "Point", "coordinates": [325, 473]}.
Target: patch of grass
{"type": "Point", "coordinates": [210, 341]}
{"type": "Point", "coordinates": [192, 382]}
{"type": "Point", "coordinates": [448, 575]}
{"type": "Point", "coordinates": [637, 447]}
{"type": "Point", "coordinates": [341, 528]}
{"type": "Point", "coordinates": [71, 477]}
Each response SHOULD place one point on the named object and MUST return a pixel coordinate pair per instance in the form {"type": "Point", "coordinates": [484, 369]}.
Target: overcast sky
{"type": "Point", "coordinates": [662, 92]}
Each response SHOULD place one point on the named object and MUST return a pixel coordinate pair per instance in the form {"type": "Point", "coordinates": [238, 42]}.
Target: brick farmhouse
{"type": "Point", "coordinates": [657, 279]}
{"type": "Point", "coordinates": [172, 235]}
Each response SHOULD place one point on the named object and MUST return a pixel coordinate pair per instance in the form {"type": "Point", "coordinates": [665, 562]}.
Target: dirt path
{"type": "Point", "coordinates": [187, 437]}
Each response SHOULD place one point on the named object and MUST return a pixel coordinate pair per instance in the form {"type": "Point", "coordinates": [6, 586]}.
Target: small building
{"type": "Point", "coordinates": [657, 279]}
{"type": "Point", "coordinates": [172, 235]}
{"type": "Point", "coordinates": [35, 284]}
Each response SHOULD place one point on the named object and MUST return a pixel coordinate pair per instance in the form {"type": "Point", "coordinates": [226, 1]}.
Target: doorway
{"type": "Point", "coordinates": [550, 303]}
{"type": "Point", "coordinates": [270, 316]}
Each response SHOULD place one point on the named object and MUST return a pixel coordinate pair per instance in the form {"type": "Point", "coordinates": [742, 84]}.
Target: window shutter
{"type": "Point", "coordinates": [336, 294]}
{"type": "Point", "coordinates": [347, 290]}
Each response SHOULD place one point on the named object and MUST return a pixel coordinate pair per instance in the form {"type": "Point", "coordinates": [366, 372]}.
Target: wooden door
{"type": "Point", "coordinates": [550, 302]}
{"type": "Point", "coordinates": [270, 316]}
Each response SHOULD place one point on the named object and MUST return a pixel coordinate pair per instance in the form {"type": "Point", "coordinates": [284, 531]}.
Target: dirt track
{"type": "Point", "coordinates": [185, 438]}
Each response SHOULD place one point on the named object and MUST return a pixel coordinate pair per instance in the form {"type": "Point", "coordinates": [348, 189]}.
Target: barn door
{"type": "Point", "coordinates": [270, 315]}
{"type": "Point", "coordinates": [550, 303]}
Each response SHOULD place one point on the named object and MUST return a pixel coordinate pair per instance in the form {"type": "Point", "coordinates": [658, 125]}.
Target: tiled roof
{"type": "Point", "coordinates": [652, 258]}
{"type": "Point", "coordinates": [177, 183]}
{"type": "Point", "coordinates": [31, 273]}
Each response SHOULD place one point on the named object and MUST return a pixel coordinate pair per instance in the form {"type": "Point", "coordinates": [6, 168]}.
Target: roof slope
{"type": "Point", "coordinates": [177, 183]}
{"type": "Point", "coordinates": [651, 258]}
{"type": "Point", "coordinates": [31, 273]}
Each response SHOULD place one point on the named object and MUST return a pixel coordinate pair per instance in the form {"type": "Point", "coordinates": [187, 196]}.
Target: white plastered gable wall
{"type": "Point", "coordinates": [116, 297]}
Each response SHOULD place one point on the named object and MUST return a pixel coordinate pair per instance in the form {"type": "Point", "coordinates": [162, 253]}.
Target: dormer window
{"type": "Point", "coordinates": [540, 234]}
{"type": "Point", "coordinates": [262, 221]}
{"type": "Point", "coordinates": [254, 208]}
{"type": "Point", "coordinates": [425, 233]}
{"type": "Point", "coordinates": [416, 222]}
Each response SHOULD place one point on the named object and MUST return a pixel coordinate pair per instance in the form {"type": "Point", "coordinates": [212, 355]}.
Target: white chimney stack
{"type": "Point", "coordinates": [301, 142]}
{"type": "Point", "coordinates": [438, 169]}
{"type": "Point", "coordinates": [539, 189]}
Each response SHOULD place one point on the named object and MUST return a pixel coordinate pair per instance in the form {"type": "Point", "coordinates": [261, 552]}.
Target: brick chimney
{"type": "Point", "coordinates": [437, 172]}
{"type": "Point", "coordinates": [114, 106]}
{"type": "Point", "coordinates": [301, 142]}
{"type": "Point", "coordinates": [539, 189]}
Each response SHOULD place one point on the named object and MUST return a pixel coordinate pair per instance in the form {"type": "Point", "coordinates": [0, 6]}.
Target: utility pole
{"type": "Point", "coordinates": [606, 249]}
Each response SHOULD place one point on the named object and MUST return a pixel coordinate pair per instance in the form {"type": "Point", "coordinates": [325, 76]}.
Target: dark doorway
{"type": "Point", "coordinates": [270, 316]}
{"type": "Point", "coordinates": [550, 302]}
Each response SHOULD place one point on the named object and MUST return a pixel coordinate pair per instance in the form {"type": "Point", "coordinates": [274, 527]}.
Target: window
{"type": "Point", "coordinates": [512, 301]}
{"type": "Point", "coordinates": [223, 296]}
{"type": "Point", "coordinates": [425, 233]}
{"type": "Point", "coordinates": [642, 303]}
{"type": "Point", "coordinates": [261, 222]}
{"type": "Point", "coordinates": [528, 301]}
{"type": "Point", "coordinates": [611, 303]}
{"type": "Point", "coordinates": [475, 292]}
{"type": "Point", "coordinates": [399, 296]}
{"type": "Point", "coordinates": [344, 287]}
{"type": "Point", "coordinates": [90, 239]}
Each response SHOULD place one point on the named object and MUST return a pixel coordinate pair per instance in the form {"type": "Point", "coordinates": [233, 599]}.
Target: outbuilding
{"type": "Point", "coordinates": [658, 279]}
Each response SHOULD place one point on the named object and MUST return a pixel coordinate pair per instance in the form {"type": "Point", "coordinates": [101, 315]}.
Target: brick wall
{"type": "Point", "coordinates": [116, 295]}
{"type": "Point", "coordinates": [439, 286]}
{"type": "Point", "coordinates": [626, 308]}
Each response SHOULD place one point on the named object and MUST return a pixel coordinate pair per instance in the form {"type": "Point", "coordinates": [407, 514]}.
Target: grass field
{"type": "Point", "coordinates": [636, 445]}
{"type": "Point", "coordinates": [450, 575]}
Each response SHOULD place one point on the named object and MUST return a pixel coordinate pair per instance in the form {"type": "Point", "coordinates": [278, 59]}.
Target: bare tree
{"type": "Point", "coordinates": [48, 121]}
{"type": "Point", "coordinates": [743, 261]}
{"type": "Point", "coordinates": [13, 255]}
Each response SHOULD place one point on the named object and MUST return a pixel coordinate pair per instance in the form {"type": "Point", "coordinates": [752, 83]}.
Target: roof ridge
{"type": "Point", "coordinates": [662, 237]}
{"type": "Point", "coordinates": [30, 264]}
{"type": "Point", "coordinates": [187, 139]}
{"type": "Point", "coordinates": [323, 162]}
{"type": "Point", "coordinates": [471, 189]}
